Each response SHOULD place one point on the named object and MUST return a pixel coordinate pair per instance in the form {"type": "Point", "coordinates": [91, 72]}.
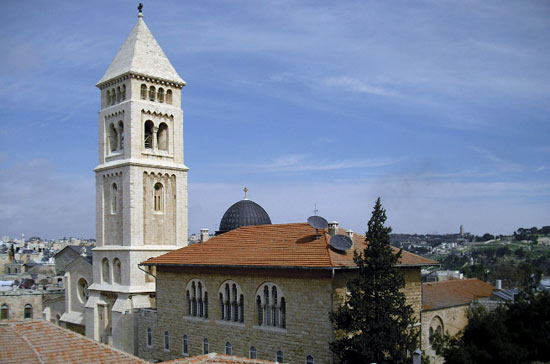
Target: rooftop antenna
{"type": "Point", "coordinates": [245, 191]}
{"type": "Point", "coordinates": [315, 211]}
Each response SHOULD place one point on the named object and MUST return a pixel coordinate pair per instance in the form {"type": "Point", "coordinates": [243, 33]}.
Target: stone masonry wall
{"type": "Point", "coordinates": [16, 302]}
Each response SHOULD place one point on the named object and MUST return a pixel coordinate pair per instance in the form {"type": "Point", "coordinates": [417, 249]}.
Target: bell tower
{"type": "Point", "coordinates": [141, 184]}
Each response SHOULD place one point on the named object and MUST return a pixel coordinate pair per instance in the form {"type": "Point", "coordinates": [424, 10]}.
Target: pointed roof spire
{"type": "Point", "coordinates": [141, 54]}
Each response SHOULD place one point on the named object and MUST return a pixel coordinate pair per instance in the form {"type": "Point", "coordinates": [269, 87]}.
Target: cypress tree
{"type": "Point", "coordinates": [375, 324]}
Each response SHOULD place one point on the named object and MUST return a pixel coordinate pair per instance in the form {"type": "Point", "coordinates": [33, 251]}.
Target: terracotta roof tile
{"type": "Point", "coordinates": [43, 342]}
{"type": "Point", "coordinates": [214, 358]}
{"type": "Point", "coordinates": [283, 245]}
{"type": "Point", "coordinates": [454, 292]}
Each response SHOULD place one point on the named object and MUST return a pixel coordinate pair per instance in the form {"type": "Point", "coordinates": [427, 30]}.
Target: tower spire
{"type": "Point", "coordinates": [140, 8]}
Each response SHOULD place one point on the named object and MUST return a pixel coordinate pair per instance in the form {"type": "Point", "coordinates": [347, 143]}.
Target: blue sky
{"type": "Point", "coordinates": [440, 107]}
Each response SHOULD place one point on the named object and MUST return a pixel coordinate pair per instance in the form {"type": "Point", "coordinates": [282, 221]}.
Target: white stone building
{"type": "Point", "coordinates": [141, 187]}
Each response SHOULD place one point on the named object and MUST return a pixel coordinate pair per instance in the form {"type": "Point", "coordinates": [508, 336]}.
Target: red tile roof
{"type": "Point", "coordinates": [283, 245]}
{"type": "Point", "coordinates": [454, 292]}
{"type": "Point", "coordinates": [43, 342]}
{"type": "Point", "coordinates": [214, 358]}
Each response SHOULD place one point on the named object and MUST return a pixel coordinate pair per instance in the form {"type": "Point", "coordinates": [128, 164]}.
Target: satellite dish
{"type": "Point", "coordinates": [341, 243]}
{"type": "Point", "coordinates": [317, 222]}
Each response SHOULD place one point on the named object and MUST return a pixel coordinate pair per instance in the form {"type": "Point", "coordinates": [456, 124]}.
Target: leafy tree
{"type": "Point", "coordinates": [375, 321]}
{"type": "Point", "coordinates": [517, 333]}
{"type": "Point", "coordinates": [476, 271]}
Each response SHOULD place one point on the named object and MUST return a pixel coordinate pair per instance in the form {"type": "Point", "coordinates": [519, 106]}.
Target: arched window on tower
{"type": "Point", "coordinates": [123, 92]}
{"type": "Point", "coordinates": [152, 93]}
{"type": "Point", "coordinates": [113, 96]}
{"type": "Point", "coordinates": [158, 197]}
{"type": "Point", "coordinates": [113, 138]}
{"type": "Point", "coordinates": [116, 271]}
{"type": "Point", "coordinates": [169, 97]}
{"type": "Point", "coordinates": [148, 134]}
{"type": "Point", "coordinates": [162, 137]}
{"type": "Point", "coordinates": [143, 93]}
{"type": "Point", "coordinates": [105, 271]}
{"type": "Point", "coordinates": [114, 198]}
{"type": "Point", "coordinates": [160, 94]}
{"type": "Point", "coordinates": [120, 134]}
{"type": "Point", "coordinates": [118, 94]}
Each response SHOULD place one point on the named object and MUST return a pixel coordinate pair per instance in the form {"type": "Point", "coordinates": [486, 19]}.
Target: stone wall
{"type": "Point", "coordinates": [453, 319]}
{"type": "Point", "coordinates": [16, 301]}
{"type": "Point", "coordinates": [308, 303]}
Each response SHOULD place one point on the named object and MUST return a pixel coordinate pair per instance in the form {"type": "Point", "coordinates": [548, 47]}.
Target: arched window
{"type": "Point", "coordinates": [148, 134]}
{"type": "Point", "coordinates": [116, 271]}
{"type": "Point", "coordinates": [205, 346]}
{"type": "Point", "coordinates": [112, 138]}
{"type": "Point", "coordinates": [228, 349]}
{"type": "Point", "coordinates": [166, 341]}
{"type": "Point", "coordinates": [28, 311]}
{"type": "Point", "coordinates": [82, 290]}
{"type": "Point", "coordinates": [280, 358]}
{"type": "Point", "coordinates": [160, 94]}
{"type": "Point", "coordinates": [436, 328]}
{"type": "Point", "coordinates": [57, 318]}
{"type": "Point", "coordinates": [185, 345]}
{"type": "Point", "coordinates": [120, 134]}
{"type": "Point", "coordinates": [169, 97]}
{"type": "Point", "coordinates": [252, 352]}
{"type": "Point", "coordinates": [123, 92]}
{"type": "Point", "coordinates": [162, 137]}
{"type": "Point", "coordinates": [271, 306]}
{"type": "Point", "coordinates": [158, 197]}
{"type": "Point", "coordinates": [149, 337]}
{"type": "Point", "coordinates": [113, 96]}
{"type": "Point", "coordinates": [197, 299]}
{"type": "Point", "coordinates": [152, 93]}
{"type": "Point", "coordinates": [114, 198]}
{"type": "Point", "coordinates": [309, 360]}
{"type": "Point", "coordinates": [231, 302]}
{"type": "Point", "coordinates": [144, 92]}
{"type": "Point", "coordinates": [5, 312]}
{"type": "Point", "coordinates": [105, 271]}
{"type": "Point", "coordinates": [118, 94]}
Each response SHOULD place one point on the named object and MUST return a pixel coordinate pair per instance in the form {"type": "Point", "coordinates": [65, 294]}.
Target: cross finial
{"type": "Point", "coordinates": [140, 7]}
{"type": "Point", "coordinates": [245, 191]}
{"type": "Point", "coordinates": [315, 211]}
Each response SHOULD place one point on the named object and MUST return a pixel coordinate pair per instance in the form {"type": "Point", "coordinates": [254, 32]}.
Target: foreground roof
{"type": "Point", "coordinates": [283, 246]}
{"type": "Point", "coordinates": [39, 341]}
{"type": "Point", "coordinates": [456, 292]}
{"type": "Point", "coordinates": [141, 54]}
{"type": "Point", "coordinates": [214, 358]}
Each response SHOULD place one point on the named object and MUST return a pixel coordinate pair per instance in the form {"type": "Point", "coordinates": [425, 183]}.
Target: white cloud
{"type": "Point", "coordinates": [351, 84]}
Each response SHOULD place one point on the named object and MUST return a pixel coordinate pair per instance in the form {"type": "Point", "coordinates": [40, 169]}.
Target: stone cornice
{"type": "Point", "coordinates": [141, 163]}
{"type": "Point", "coordinates": [138, 76]}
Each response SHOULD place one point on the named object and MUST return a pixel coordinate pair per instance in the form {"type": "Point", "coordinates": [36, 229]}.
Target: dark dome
{"type": "Point", "coordinates": [243, 213]}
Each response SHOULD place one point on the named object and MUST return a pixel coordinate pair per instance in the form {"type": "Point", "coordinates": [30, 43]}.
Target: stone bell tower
{"type": "Point", "coordinates": [141, 184]}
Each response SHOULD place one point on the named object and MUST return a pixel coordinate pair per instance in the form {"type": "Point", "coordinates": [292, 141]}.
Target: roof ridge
{"type": "Point", "coordinates": [27, 341]}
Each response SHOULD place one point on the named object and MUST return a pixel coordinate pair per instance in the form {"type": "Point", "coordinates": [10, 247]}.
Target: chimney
{"type": "Point", "coordinates": [204, 235]}
{"type": "Point", "coordinates": [332, 228]}
{"type": "Point", "coordinates": [350, 233]}
{"type": "Point", "coordinates": [498, 284]}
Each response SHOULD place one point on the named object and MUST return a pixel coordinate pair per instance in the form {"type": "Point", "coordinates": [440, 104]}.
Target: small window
{"type": "Point", "coordinates": [280, 357]}
{"type": "Point", "coordinates": [113, 138]}
{"type": "Point", "coordinates": [116, 271]}
{"type": "Point", "coordinates": [252, 353]}
{"type": "Point", "coordinates": [228, 349]}
{"type": "Point", "coordinates": [105, 271]}
{"type": "Point", "coordinates": [148, 134]}
{"type": "Point", "coordinates": [28, 312]}
{"type": "Point", "coordinates": [118, 94]}
{"type": "Point", "coordinates": [149, 337]}
{"type": "Point", "coordinates": [158, 197]}
{"type": "Point", "coordinates": [169, 97]}
{"type": "Point", "coordinates": [162, 137]}
{"type": "Point", "coordinates": [114, 198]}
{"type": "Point", "coordinates": [309, 360]}
{"type": "Point", "coordinates": [185, 345]}
{"type": "Point", "coordinates": [205, 346]}
{"type": "Point", "coordinates": [5, 312]}
{"type": "Point", "coordinates": [123, 92]}
{"type": "Point", "coordinates": [160, 94]}
{"type": "Point", "coordinates": [143, 92]}
{"type": "Point", "coordinates": [113, 97]}
{"type": "Point", "coordinates": [152, 93]}
{"type": "Point", "coordinates": [166, 341]}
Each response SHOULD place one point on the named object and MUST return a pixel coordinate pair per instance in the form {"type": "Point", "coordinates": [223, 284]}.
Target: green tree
{"type": "Point", "coordinates": [517, 333]}
{"type": "Point", "coordinates": [375, 323]}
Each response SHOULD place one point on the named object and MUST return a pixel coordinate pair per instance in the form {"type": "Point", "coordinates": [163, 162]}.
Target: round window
{"type": "Point", "coordinates": [83, 290]}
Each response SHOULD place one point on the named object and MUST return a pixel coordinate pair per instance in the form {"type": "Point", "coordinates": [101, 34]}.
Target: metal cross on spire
{"type": "Point", "coordinates": [140, 7]}
{"type": "Point", "coordinates": [245, 191]}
